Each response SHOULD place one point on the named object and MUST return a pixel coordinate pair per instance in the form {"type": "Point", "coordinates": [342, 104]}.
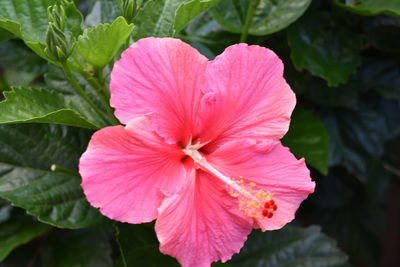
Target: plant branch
{"type": "Point", "coordinates": [100, 77]}
{"type": "Point", "coordinates": [249, 18]}
{"type": "Point", "coordinates": [78, 88]}
{"type": "Point", "coordinates": [103, 99]}
{"type": "Point", "coordinates": [57, 168]}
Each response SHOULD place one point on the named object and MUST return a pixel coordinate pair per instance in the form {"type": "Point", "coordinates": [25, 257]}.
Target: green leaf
{"type": "Point", "coordinates": [382, 32]}
{"type": "Point", "coordinates": [3, 86]}
{"type": "Point", "coordinates": [206, 35]}
{"type": "Point", "coordinates": [270, 16]}
{"type": "Point", "coordinates": [316, 90]}
{"type": "Point", "coordinates": [26, 154]}
{"type": "Point", "coordinates": [15, 55]}
{"type": "Point", "coordinates": [329, 49]}
{"type": "Point", "coordinates": [139, 246]}
{"type": "Point", "coordinates": [376, 74]}
{"type": "Point", "coordinates": [21, 66]}
{"type": "Point", "coordinates": [290, 246]}
{"type": "Point", "coordinates": [348, 215]}
{"type": "Point", "coordinates": [18, 231]}
{"type": "Point", "coordinates": [24, 105]}
{"type": "Point", "coordinates": [189, 10]}
{"type": "Point", "coordinates": [103, 11]}
{"type": "Point", "coordinates": [358, 134]}
{"type": "Point", "coordinates": [371, 7]}
{"type": "Point", "coordinates": [5, 210]}
{"type": "Point", "coordinates": [156, 18]}
{"type": "Point", "coordinates": [308, 138]}
{"type": "Point", "coordinates": [5, 35]}
{"type": "Point", "coordinates": [56, 80]}
{"type": "Point", "coordinates": [74, 19]}
{"type": "Point", "coordinates": [28, 20]}
{"type": "Point", "coordinates": [381, 75]}
{"type": "Point", "coordinates": [79, 248]}
{"type": "Point", "coordinates": [25, 18]}
{"type": "Point", "coordinates": [99, 44]}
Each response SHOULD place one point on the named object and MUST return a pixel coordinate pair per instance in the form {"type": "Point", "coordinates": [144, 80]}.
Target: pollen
{"type": "Point", "coordinates": [253, 201]}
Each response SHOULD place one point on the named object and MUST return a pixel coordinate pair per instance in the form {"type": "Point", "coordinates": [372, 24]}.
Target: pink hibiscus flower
{"type": "Point", "coordinates": [200, 149]}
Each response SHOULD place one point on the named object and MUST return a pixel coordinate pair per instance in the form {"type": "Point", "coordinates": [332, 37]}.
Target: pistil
{"type": "Point", "coordinates": [255, 203]}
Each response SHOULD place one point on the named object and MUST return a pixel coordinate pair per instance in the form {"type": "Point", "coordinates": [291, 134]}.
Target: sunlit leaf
{"type": "Point", "coordinates": [270, 15]}
{"type": "Point", "coordinates": [371, 7]}
{"type": "Point", "coordinates": [28, 20]}
{"type": "Point", "coordinates": [156, 18]}
{"type": "Point", "coordinates": [189, 10]}
{"type": "Point", "coordinates": [99, 44]}
{"type": "Point", "coordinates": [23, 105]}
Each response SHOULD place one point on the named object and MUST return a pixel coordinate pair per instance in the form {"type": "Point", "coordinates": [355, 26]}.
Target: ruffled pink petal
{"type": "Point", "coordinates": [125, 171]}
{"type": "Point", "coordinates": [273, 168]}
{"type": "Point", "coordinates": [201, 224]}
{"type": "Point", "coordinates": [161, 76]}
{"type": "Point", "coordinates": [246, 97]}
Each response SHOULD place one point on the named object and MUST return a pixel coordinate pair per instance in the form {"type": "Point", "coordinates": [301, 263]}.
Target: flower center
{"type": "Point", "coordinates": [253, 201]}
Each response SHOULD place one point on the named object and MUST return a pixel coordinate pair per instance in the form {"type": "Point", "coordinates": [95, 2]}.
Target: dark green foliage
{"type": "Point", "coordinates": [139, 245]}
{"type": "Point", "coordinates": [27, 181]}
{"type": "Point", "coordinates": [308, 138]}
{"type": "Point", "coordinates": [329, 49]}
{"type": "Point", "coordinates": [291, 246]}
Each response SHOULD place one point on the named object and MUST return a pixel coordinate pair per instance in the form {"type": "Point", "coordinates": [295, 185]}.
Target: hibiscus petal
{"type": "Point", "coordinates": [125, 171]}
{"type": "Point", "coordinates": [246, 96]}
{"type": "Point", "coordinates": [161, 76]}
{"type": "Point", "coordinates": [201, 224]}
{"type": "Point", "coordinates": [272, 168]}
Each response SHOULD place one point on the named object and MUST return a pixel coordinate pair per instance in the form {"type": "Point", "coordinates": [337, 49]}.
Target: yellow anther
{"type": "Point", "coordinates": [251, 199]}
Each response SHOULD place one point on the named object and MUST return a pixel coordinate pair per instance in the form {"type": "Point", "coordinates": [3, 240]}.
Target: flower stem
{"type": "Point", "coordinates": [127, 43]}
{"type": "Point", "coordinates": [249, 18]}
{"type": "Point", "coordinates": [103, 99]}
{"type": "Point", "coordinates": [100, 77]}
{"type": "Point", "coordinates": [78, 88]}
{"type": "Point", "coordinates": [58, 168]}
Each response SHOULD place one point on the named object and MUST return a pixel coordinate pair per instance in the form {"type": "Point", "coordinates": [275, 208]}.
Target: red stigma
{"type": "Point", "coordinates": [265, 213]}
{"type": "Point", "coordinates": [269, 208]}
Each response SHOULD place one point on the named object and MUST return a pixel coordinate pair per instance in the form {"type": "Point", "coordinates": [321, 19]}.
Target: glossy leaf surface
{"type": "Point", "coordinates": [26, 154]}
